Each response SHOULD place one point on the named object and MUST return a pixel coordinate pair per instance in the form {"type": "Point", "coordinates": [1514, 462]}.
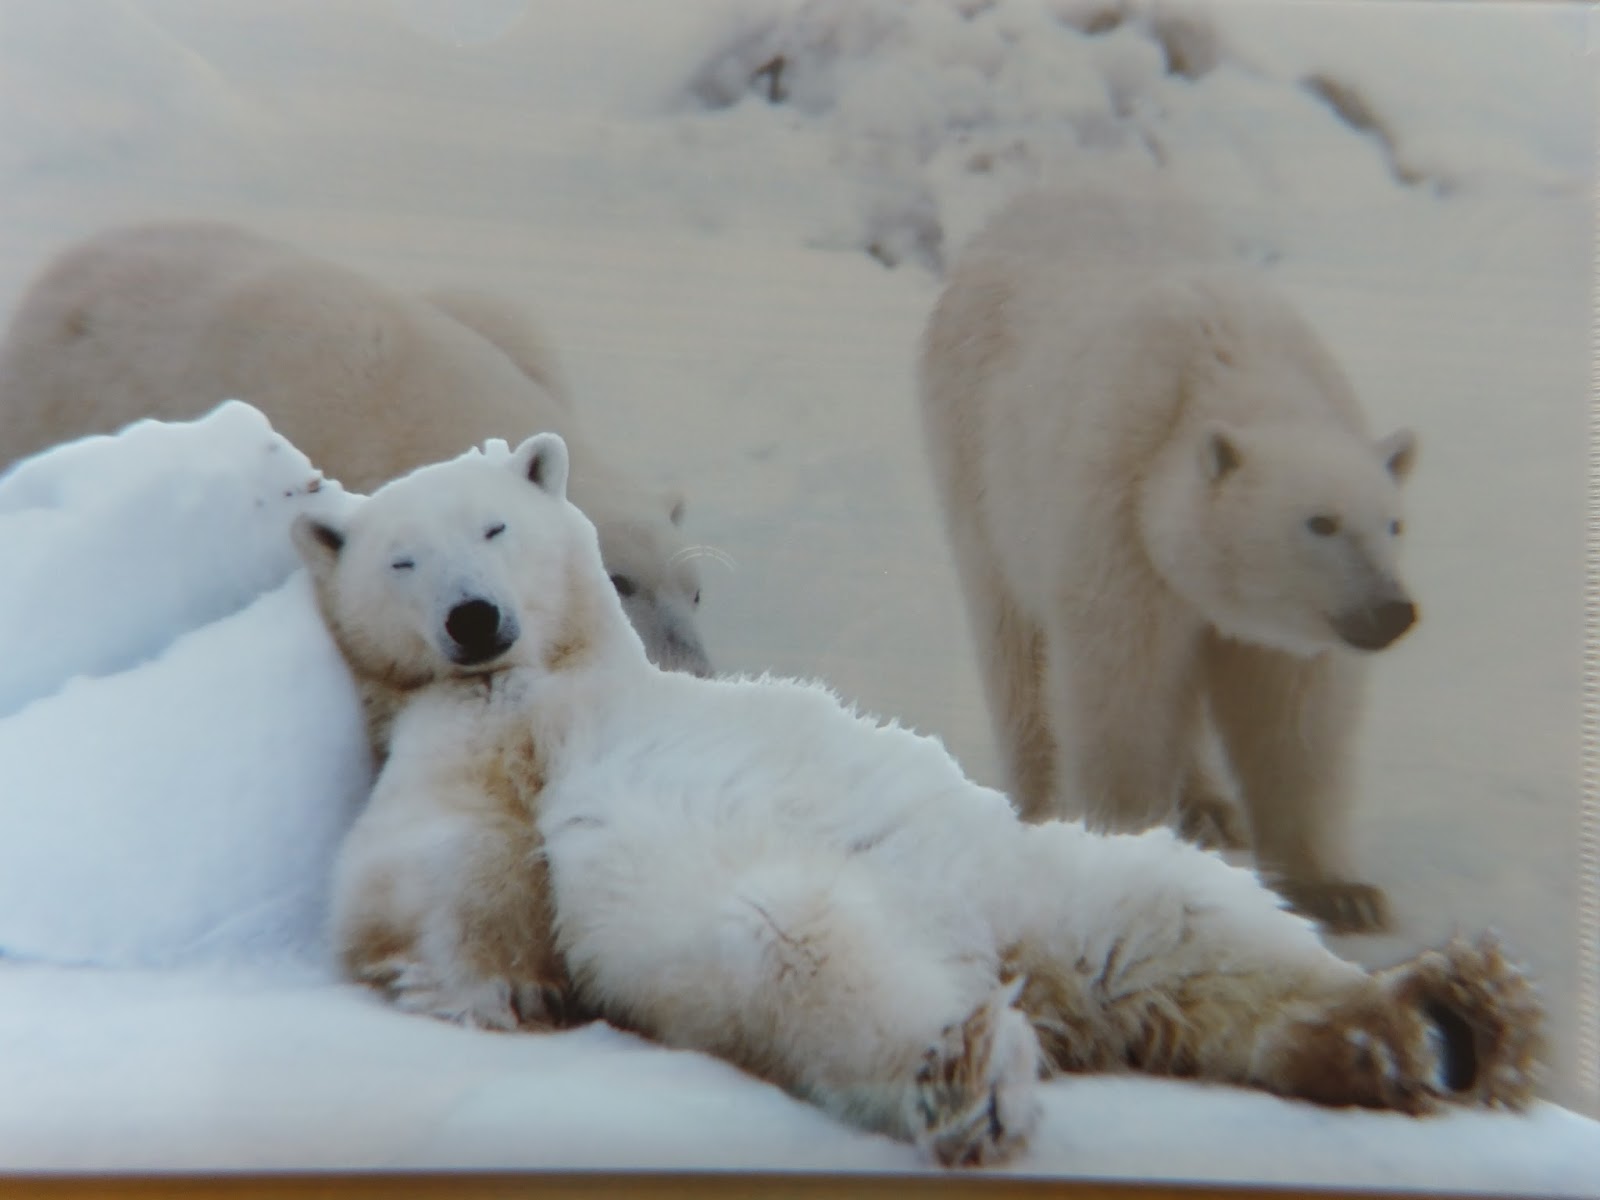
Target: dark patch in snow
{"type": "Point", "coordinates": [937, 110]}
{"type": "Point", "coordinates": [772, 72]}
{"type": "Point", "coordinates": [1188, 40]}
{"type": "Point", "coordinates": [1093, 17]}
{"type": "Point", "coordinates": [1351, 106]}
{"type": "Point", "coordinates": [732, 72]}
{"type": "Point", "coordinates": [906, 228]}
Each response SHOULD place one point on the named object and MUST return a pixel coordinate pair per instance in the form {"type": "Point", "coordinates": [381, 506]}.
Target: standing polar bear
{"type": "Point", "coordinates": [747, 868]}
{"type": "Point", "coordinates": [1163, 503]}
{"type": "Point", "coordinates": [168, 320]}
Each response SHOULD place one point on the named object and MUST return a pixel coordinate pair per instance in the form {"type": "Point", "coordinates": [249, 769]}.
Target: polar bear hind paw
{"type": "Point", "coordinates": [1482, 1021]}
{"type": "Point", "coordinates": [975, 1100]}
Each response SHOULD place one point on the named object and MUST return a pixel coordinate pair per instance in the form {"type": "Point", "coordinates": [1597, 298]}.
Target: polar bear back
{"type": "Point", "coordinates": [168, 320]}
{"type": "Point", "coordinates": [1122, 221]}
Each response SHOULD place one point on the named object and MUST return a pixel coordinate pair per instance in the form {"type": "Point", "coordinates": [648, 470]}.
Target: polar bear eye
{"type": "Point", "coordinates": [403, 564]}
{"type": "Point", "coordinates": [625, 586]}
{"type": "Point", "coordinates": [1396, 528]}
{"type": "Point", "coordinates": [1323, 526]}
{"type": "Point", "coordinates": [697, 597]}
{"type": "Point", "coordinates": [494, 531]}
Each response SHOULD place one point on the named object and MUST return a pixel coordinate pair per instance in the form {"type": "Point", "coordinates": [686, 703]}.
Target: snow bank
{"type": "Point", "coordinates": [128, 541]}
{"type": "Point", "coordinates": [183, 1071]}
{"type": "Point", "coordinates": [186, 754]}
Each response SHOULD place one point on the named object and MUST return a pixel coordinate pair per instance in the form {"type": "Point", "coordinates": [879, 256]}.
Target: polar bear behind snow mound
{"type": "Point", "coordinates": [748, 868]}
{"type": "Point", "coordinates": [1165, 506]}
{"type": "Point", "coordinates": [168, 320]}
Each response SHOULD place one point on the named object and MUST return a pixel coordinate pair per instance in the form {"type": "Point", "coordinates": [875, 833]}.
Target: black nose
{"type": "Point", "coordinates": [474, 626]}
{"type": "Point", "coordinates": [687, 655]}
{"type": "Point", "coordinates": [693, 661]}
{"type": "Point", "coordinates": [1375, 628]}
{"type": "Point", "coordinates": [1394, 618]}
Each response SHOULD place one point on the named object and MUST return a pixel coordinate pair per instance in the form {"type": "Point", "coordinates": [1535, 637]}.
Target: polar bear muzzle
{"type": "Point", "coordinates": [478, 631]}
{"type": "Point", "coordinates": [1376, 627]}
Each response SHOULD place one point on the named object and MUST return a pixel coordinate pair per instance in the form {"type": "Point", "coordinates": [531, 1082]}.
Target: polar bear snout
{"type": "Point", "coordinates": [1377, 626]}
{"type": "Point", "coordinates": [477, 631]}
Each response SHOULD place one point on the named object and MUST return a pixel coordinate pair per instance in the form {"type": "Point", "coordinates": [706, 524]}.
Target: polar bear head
{"type": "Point", "coordinates": [1287, 536]}
{"type": "Point", "coordinates": [653, 571]}
{"type": "Point", "coordinates": [466, 567]}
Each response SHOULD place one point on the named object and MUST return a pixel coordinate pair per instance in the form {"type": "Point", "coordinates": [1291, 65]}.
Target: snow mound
{"type": "Point", "coordinates": [937, 112]}
{"type": "Point", "coordinates": [187, 811]}
{"type": "Point", "coordinates": [1451, 104]}
{"type": "Point", "coordinates": [129, 540]}
{"type": "Point", "coordinates": [182, 797]}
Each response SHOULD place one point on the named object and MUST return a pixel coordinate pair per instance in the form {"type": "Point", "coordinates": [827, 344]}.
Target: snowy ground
{"type": "Point", "coordinates": [709, 237]}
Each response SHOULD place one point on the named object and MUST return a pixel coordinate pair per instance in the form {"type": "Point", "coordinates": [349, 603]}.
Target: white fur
{"type": "Point", "coordinates": [1162, 499]}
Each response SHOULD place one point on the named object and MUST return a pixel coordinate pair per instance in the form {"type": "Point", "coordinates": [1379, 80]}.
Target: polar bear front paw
{"type": "Point", "coordinates": [475, 1003]}
{"type": "Point", "coordinates": [975, 1101]}
{"type": "Point", "coordinates": [1339, 905]}
{"type": "Point", "coordinates": [532, 1005]}
{"type": "Point", "coordinates": [541, 1006]}
{"type": "Point", "coordinates": [1211, 822]}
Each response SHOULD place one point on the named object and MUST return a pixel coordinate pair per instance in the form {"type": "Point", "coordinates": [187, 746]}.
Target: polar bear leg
{"type": "Point", "coordinates": [1009, 645]}
{"type": "Point", "coordinates": [974, 1102]}
{"type": "Point", "coordinates": [1192, 968]}
{"type": "Point", "coordinates": [454, 921]}
{"type": "Point", "coordinates": [1010, 650]}
{"type": "Point", "coordinates": [1122, 684]}
{"type": "Point", "coordinates": [853, 996]}
{"type": "Point", "coordinates": [1206, 816]}
{"type": "Point", "coordinates": [796, 969]}
{"type": "Point", "coordinates": [1288, 726]}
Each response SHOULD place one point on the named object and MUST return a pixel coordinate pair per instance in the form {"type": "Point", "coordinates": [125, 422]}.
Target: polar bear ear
{"type": "Point", "coordinates": [542, 460]}
{"type": "Point", "coordinates": [1398, 453]}
{"type": "Point", "coordinates": [1219, 453]}
{"type": "Point", "coordinates": [318, 543]}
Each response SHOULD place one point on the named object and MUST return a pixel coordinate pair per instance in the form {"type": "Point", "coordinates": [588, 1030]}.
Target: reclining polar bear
{"type": "Point", "coordinates": [747, 868]}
